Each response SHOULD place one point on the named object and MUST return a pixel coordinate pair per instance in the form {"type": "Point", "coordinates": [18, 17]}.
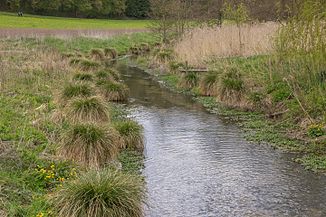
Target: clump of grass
{"type": "Point", "coordinates": [231, 87]}
{"type": "Point", "coordinates": [165, 55]}
{"type": "Point", "coordinates": [101, 193]}
{"type": "Point", "coordinates": [131, 132]}
{"type": "Point", "coordinates": [77, 90]}
{"type": "Point", "coordinates": [108, 74]}
{"type": "Point", "coordinates": [114, 91]}
{"type": "Point", "coordinates": [75, 61]}
{"type": "Point", "coordinates": [97, 54]}
{"type": "Point", "coordinates": [189, 80]}
{"type": "Point", "coordinates": [208, 84]}
{"type": "Point", "coordinates": [83, 77]}
{"type": "Point", "coordinates": [111, 52]}
{"type": "Point", "coordinates": [145, 48]}
{"type": "Point", "coordinates": [89, 64]}
{"type": "Point", "coordinates": [91, 109]}
{"type": "Point", "coordinates": [91, 145]}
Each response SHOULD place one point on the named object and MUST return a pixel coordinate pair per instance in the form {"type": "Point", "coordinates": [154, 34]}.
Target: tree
{"type": "Point", "coordinates": [137, 8]}
{"type": "Point", "coordinates": [239, 14]}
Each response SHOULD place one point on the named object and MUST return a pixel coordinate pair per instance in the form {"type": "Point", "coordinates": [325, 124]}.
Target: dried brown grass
{"type": "Point", "coordinates": [201, 44]}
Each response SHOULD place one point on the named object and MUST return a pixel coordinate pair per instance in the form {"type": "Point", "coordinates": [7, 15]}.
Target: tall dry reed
{"type": "Point", "coordinates": [201, 44]}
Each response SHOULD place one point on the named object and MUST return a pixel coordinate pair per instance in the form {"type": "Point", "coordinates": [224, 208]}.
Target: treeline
{"type": "Point", "coordinates": [80, 8]}
{"type": "Point", "coordinates": [200, 9]}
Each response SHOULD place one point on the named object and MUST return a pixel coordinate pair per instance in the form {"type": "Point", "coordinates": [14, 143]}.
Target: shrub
{"type": "Point", "coordinates": [114, 91]}
{"type": "Point", "coordinates": [91, 109]}
{"type": "Point", "coordinates": [77, 90]}
{"type": "Point", "coordinates": [111, 52]}
{"type": "Point", "coordinates": [97, 54]}
{"type": "Point", "coordinates": [89, 144]}
{"type": "Point", "coordinates": [131, 132]}
{"type": "Point", "coordinates": [83, 77]}
{"type": "Point", "coordinates": [100, 193]}
{"type": "Point", "coordinates": [208, 85]}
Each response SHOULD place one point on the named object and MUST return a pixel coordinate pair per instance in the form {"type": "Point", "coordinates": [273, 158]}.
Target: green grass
{"type": "Point", "coordinates": [11, 20]}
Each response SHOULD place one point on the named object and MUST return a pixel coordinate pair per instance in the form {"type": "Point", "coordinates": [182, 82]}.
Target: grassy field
{"type": "Point", "coordinates": [10, 20]}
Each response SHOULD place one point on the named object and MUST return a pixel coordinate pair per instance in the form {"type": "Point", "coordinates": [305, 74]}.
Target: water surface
{"type": "Point", "coordinates": [198, 165]}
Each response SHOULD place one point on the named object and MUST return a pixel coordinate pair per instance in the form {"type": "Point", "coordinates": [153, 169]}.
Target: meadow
{"type": "Point", "coordinates": [63, 130]}
{"type": "Point", "coordinates": [11, 20]}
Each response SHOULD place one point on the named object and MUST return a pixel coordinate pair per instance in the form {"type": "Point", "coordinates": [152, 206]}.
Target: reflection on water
{"type": "Point", "coordinates": [197, 165]}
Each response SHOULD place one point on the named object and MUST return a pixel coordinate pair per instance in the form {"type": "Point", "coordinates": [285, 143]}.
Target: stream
{"type": "Point", "coordinates": [199, 165]}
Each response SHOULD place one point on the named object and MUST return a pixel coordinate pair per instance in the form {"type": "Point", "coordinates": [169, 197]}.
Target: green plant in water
{"type": "Point", "coordinates": [91, 145]}
{"type": "Point", "coordinates": [92, 109]}
{"type": "Point", "coordinates": [100, 193]}
{"type": "Point", "coordinates": [131, 132]}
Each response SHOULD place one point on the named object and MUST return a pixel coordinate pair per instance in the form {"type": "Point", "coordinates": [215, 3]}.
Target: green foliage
{"type": "Point", "coordinates": [101, 193]}
{"type": "Point", "coordinates": [313, 162]}
{"type": "Point", "coordinates": [190, 80]}
{"type": "Point", "coordinates": [83, 77]}
{"type": "Point", "coordinates": [238, 13]}
{"type": "Point", "coordinates": [90, 145]}
{"type": "Point", "coordinates": [279, 91]}
{"type": "Point", "coordinates": [114, 91]}
{"type": "Point", "coordinates": [232, 80]}
{"type": "Point", "coordinates": [77, 90]}
{"type": "Point", "coordinates": [91, 109]}
{"type": "Point", "coordinates": [131, 133]}
{"type": "Point", "coordinates": [316, 130]}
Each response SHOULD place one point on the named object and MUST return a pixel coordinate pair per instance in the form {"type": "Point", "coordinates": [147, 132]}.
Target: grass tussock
{"type": "Point", "coordinates": [92, 109]}
{"type": "Point", "coordinates": [231, 89]}
{"type": "Point", "coordinates": [90, 145]}
{"type": "Point", "coordinates": [208, 84]}
{"type": "Point", "coordinates": [114, 91]}
{"type": "Point", "coordinates": [97, 54]}
{"type": "Point", "coordinates": [77, 90]}
{"type": "Point", "coordinates": [111, 53]}
{"type": "Point", "coordinates": [100, 193]}
{"type": "Point", "coordinates": [83, 76]}
{"type": "Point", "coordinates": [132, 134]}
{"type": "Point", "coordinates": [201, 44]}
{"type": "Point", "coordinates": [189, 80]}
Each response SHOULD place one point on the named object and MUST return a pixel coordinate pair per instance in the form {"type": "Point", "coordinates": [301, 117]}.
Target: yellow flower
{"type": "Point", "coordinates": [52, 166]}
{"type": "Point", "coordinates": [42, 170]}
{"type": "Point", "coordinates": [61, 179]}
{"type": "Point", "coordinates": [48, 176]}
{"type": "Point", "coordinates": [39, 215]}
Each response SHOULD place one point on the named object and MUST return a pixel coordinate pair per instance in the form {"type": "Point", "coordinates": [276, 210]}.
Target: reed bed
{"type": "Point", "coordinates": [202, 44]}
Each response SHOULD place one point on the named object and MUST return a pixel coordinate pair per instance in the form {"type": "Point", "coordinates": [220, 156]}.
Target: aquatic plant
{"type": "Point", "coordinates": [89, 144]}
{"type": "Point", "coordinates": [92, 109]}
{"type": "Point", "coordinates": [100, 193]}
{"type": "Point", "coordinates": [132, 134]}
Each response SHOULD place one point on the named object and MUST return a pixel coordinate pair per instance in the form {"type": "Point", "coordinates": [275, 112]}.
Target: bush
{"type": "Point", "coordinates": [114, 91]}
{"type": "Point", "coordinates": [91, 145]}
{"type": "Point", "coordinates": [131, 133]}
{"type": "Point", "coordinates": [316, 130]}
{"type": "Point", "coordinates": [100, 193]}
{"type": "Point", "coordinates": [92, 109]}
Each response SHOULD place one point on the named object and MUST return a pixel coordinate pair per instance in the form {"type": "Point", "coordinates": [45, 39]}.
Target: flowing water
{"type": "Point", "coordinates": [198, 165]}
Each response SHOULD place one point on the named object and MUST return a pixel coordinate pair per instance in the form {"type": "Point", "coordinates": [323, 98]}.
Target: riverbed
{"type": "Point", "coordinates": [199, 165]}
